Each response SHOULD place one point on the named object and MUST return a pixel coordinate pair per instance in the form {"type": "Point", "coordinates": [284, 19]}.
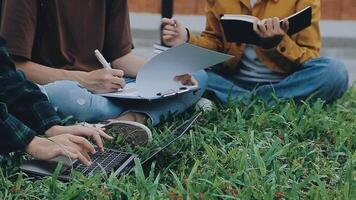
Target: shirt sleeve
{"type": "Point", "coordinates": [24, 99]}
{"type": "Point", "coordinates": [118, 38]}
{"type": "Point", "coordinates": [14, 134]}
{"type": "Point", "coordinates": [18, 26]}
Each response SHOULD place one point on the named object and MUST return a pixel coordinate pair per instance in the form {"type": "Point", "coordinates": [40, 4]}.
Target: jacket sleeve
{"type": "Point", "coordinates": [212, 36]}
{"type": "Point", "coordinates": [14, 134]}
{"type": "Point", "coordinates": [306, 44]}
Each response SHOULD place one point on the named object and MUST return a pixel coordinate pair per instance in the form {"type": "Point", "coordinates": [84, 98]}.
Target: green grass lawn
{"type": "Point", "coordinates": [235, 152]}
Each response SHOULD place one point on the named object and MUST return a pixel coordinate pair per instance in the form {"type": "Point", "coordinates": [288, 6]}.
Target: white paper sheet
{"type": "Point", "coordinates": [157, 76]}
{"type": "Point", "coordinates": [130, 92]}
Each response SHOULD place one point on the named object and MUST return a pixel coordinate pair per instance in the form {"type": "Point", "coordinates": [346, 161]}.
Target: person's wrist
{"type": "Point", "coordinates": [34, 145]}
{"type": "Point", "coordinates": [53, 131]}
{"type": "Point", "coordinates": [271, 42]}
{"type": "Point", "coordinates": [78, 76]}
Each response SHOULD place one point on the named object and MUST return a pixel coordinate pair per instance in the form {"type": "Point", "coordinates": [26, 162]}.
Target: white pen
{"type": "Point", "coordinates": [101, 59]}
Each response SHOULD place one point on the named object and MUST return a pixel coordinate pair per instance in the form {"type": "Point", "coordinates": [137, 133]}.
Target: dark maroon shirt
{"type": "Point", "coordinates": [70, 31]}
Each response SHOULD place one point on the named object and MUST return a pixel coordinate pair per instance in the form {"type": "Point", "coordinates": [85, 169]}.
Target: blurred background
{"type": "Point", "coordinates": [338, 25]}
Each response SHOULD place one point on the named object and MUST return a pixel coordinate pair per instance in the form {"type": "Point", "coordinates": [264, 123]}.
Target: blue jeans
{"type": "Point", "coordinates": [320, 78]}
{"type": "Point", "coordinates": [72, 100]}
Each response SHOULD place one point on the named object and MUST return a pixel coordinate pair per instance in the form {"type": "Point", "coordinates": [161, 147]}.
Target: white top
{"type": "Point", "coordinates": [253, 2]}
{"type": "Point", "coordinates": [251, 69]}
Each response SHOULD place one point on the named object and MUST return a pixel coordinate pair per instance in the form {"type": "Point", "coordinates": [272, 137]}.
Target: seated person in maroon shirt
{"type": "Point", "coordinates": [53, 43]}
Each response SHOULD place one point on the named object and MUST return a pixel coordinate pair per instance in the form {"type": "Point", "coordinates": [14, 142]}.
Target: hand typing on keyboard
{"type": "Point", "coordinates": [78, 130]}
{"type": "Point", "coordinates": [106, 161]}
{"type": "Point", "coordinates": [74, 147]}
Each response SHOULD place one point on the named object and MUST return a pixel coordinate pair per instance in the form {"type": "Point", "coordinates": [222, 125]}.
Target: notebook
{"type": "Point", "coordinates": [239, 28]}
{"type": "Point", "coordinates": [156, 79]}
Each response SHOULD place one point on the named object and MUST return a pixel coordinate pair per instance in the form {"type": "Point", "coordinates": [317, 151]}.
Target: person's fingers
{"type": "Point", "coordinates": [95, 133]}
{"type": "Point", "coordinates": [168, 32]}
{"type": "Point", "coordinates": [83, 143]}
{"type": "Point", "coordinates": [82, 158]}
{"type": "Point", "coordinates": [69, 152]}
{"type": "Point", "coordinates": [86, 155]}
{"type": "Point", "coordinates": [114, 87]}
{"type": "Point", "coordinates": [98, 141]}
{"type": "Point", "coordinates": [285, 25]}
{"type": "Point", "coordinates": [276, 24]}
{"type": "Point", "coordinates": [168, 37]}
{"type": "Point", "coordinates": [186, 79]}
{"type": "Point", "coordinates": [262, 29]}
{"type": "Point", "coordinates": [177, 23]}
{"type": "Point", "coordinates": [269, 25]}
{"type": "Point", "coordinates": [74, 154]}
{"type": "Point", "coordinates": [117, 72]}
{"type": "Point", "coordinates": [77, 130]}
{"type": "Point", "coordinates": [168, 21]}
{"type": "Point", "coordinates": [103, 134]}
{"type": "Point", "coordinates": [118, 82]}
{"type": "Point", "coordinates": [194, 81]}
{"type": "Point", "coordinates": [183, 78]}
{"type": "Point", "coordinates": [169, 28]}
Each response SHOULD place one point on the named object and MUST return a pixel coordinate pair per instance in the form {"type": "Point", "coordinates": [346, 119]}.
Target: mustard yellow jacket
{"type": "Point", "coordinates": [287, 56]}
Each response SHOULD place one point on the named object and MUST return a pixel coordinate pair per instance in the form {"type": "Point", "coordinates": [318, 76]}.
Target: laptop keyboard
{"type": "Point", "coordinates": [107, 161]}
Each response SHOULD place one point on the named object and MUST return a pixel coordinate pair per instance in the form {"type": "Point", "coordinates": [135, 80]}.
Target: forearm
{"type": "Point", "coordinates": [130, 64]}
{"type": "Point", "coordinates": [42, 75]}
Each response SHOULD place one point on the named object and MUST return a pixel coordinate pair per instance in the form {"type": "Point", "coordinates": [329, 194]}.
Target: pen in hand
{"type": "Point", "coordinates": [103, 61]}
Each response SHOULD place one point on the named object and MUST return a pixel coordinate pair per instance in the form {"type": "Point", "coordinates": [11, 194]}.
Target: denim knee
{"type": "Point", "coordinates": [202, 78]}
{"type": "Point", "coordinates": [334, 77]}
{"type": "Point", "coordinates": [72, 100]}
{"type": "Point", "coordinates": [335, 74]}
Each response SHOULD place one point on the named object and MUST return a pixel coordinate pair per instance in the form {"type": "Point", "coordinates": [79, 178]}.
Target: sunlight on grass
{"type": "Point", "coordinates": [240, 151]}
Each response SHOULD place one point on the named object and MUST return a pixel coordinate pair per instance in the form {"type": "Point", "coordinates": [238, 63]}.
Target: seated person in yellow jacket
{"type": "Point", "coordinates": [289, 67]}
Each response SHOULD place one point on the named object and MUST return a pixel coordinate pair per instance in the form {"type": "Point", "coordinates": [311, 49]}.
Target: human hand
{"type": "Point", "coordinates": [72, 146]}
{"type": "Point", "coordinates": [78, 130]}
{"type": "Point", "coordinates": [173, 32]}
{"type": "Point", "coordinates": [103, 80]}
{"type": "Point", "coordinates": [187, 79]}
{"type": "Point", "coordinates": [271, 31]}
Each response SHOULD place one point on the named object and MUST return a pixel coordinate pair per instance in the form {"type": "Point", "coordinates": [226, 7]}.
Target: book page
{"type": "Point", "coordinates": [247, 18]}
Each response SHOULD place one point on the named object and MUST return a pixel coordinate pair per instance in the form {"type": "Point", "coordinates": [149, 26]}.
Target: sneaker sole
{"type": "Point", "coordinates": [133, 133]}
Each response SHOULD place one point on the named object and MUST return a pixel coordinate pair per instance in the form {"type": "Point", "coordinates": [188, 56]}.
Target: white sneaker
{"type": "Point", "coordinates": [205, 105]}
{"type": "Point", "coordinates": [133, 133]}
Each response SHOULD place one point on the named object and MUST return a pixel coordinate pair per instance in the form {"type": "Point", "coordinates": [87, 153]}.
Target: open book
{"type": "Point", "coordinates": [239, 28]}
{"type": "Point", "coordinates": [155, 79]}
